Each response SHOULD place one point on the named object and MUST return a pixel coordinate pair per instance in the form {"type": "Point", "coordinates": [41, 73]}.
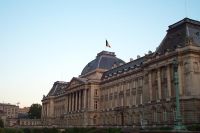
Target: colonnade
{"type": "Point", "coordinates": [76, 101]}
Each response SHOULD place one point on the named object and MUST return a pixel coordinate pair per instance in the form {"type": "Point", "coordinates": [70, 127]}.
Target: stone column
{"type": "Point", "coordinates": [103, 103]}
{"type": "Point", "coordinates": [180, 79]}
{"type": "Point", "coordinates": [76, 108]}
{"type": "Point", "coordinates": [72, 107]}
{"type": "Point", "coordinates": [79, 100]}
{"type": "Point", "coordinates": [159, 83]}
{"type": "Point", "coordinates": [69, 98]}
{"type": "Point", "coordinates": [169, 81]}
{"type": "Point", "coordinates": [84, 98]}
{"type": "Point", "coordinates": [74, 101]}
{"type": "Point", "coordinates": [66, 104]}
{"type": "Point", "coordinates": [150, 86]}
{"type": "Point", "coordinates": [122, 89]}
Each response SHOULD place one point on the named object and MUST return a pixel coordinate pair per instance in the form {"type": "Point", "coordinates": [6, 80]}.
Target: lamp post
{"type": "Point", "coordinates": [179, 125]}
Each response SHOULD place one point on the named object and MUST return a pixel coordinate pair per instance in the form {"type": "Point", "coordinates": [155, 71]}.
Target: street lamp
{"type": "Point", "coordinates": [179, 125]}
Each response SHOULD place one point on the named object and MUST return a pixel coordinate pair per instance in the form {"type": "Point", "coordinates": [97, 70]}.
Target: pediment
{"type": "Point", "coordinates": [76, 82]}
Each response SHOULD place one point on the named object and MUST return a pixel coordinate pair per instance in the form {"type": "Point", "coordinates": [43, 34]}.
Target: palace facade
{"type": "Point", "coordinates": [142, 92]}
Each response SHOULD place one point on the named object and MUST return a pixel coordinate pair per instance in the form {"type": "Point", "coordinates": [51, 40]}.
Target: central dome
{"type": "Point", "coordinates": [104, 60]}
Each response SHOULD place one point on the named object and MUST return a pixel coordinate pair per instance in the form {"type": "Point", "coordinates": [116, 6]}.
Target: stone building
{"type": "Point", "coordinates": [10, 112]}
{"type": "Point", "coordinates": [110, 92]}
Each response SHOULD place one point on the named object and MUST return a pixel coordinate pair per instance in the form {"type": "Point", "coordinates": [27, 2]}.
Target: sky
{"type": "Point", "coordinates": [43, 41]}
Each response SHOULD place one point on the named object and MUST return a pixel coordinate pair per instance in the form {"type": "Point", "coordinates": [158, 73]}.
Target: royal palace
{"type": "Point", "coordinates": [147, 91]}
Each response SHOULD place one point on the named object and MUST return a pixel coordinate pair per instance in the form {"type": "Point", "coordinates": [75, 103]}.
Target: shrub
{"type": "Point", "coordinates": [36, 130]}
{"type": "Point", "coordinates": [27, 130]}
{"type": "Point", "coordinates": [166, 128]}
{"type": "Point", "coordinates": [12, 130]}
{"type": "Point", "coordinates": [1, 123]}
{"type": "Point", "coordinates": [194, 127]}
{"type": "Point", "coordinates": [113, 130]}
{"type": "Point", "coordinates": [2, 130]}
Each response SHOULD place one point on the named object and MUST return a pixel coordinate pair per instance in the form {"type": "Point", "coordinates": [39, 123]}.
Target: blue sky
{"type": "Point", "coordinates": [43, 41]}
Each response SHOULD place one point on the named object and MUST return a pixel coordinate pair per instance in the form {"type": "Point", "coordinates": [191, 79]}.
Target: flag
{"type": "Point", "coordinates": [107, 44]}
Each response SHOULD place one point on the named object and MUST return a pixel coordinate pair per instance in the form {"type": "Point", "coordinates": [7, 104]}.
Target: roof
{"type": "Point", "coordinates": [104, 60]}
{"type": "Point", "coordinates": [179, 34]}
{"type": "Point", "coordinates": [58, 88]}
{"type": "Point", "coordinates": [126, 67]}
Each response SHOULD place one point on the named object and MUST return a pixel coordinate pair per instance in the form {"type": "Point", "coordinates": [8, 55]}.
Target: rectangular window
{"type": "Point", "coordinates": [95, 105]}
{"type": "Point", "coordinates": [140, 98]}
{"type": "Point", "coordinates": [96, 92]}
{"type": "Point", "coordinates": [111, 96]}
{"type": "Point", "coordinates": [115, 95]}
{"type": "Point", "coordinates": [128, 92]}
{"type": "Point", "coordinates": [155, 118]}
{"type": "Point", "coordinates": [164, 115]}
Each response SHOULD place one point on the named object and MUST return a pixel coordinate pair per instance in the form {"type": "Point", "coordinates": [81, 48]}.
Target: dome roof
{"type": "Point", "coordinates": [104, 60]}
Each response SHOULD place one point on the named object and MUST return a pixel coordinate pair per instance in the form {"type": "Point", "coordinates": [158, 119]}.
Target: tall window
{"type": "Point", "coordinates": [95, 105]}
{"type": "Point", "coordinates": [155, 118]}
{"type": "Point", "coordinates": [174, 113]}
{"type": "Point", "coordinates": [95, 120]}
{"type": "Point", "coordinates": [164, 115]}
{"type": "Point", "coordinates": [95, 92]}
{"type": "Point", "coordinates": [140, 98]}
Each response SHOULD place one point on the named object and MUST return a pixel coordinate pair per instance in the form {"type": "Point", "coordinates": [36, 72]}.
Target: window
{"type": "Point", "coordinates": [95, 92]}
{"type": "Point", "coordinates": [94, 119]}
{"type": "Point", "coordinates": [95, 105]}
{"type": "Point", "coordinates": [174, 113]}
{"type": "Point", "coordinates": [128, 92]}
{"type": "Point", "coordinates": [164, 115]}
{"type": "Point", "coordinates": [133, 91]}
{"type": "Point", "coordinates": [196, 67]}
{"type": "Point", "coordinates": [140, 82]}
{"type": "Point", "coordinates": [115, 95]}
{"type": "Point", "coordinates": [155, 118]}
{"type": "Point", "coordinates": [140, 95]}
{"type": "Point", "coordinates": [111, 96]}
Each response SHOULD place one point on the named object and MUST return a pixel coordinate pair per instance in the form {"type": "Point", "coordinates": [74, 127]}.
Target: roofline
{"type": "Point", "coordinates": [113, 69]}
{"type": "Point", "coordinates": [92, 72]}
{"type": "Point", "coordinates": [185, 20]}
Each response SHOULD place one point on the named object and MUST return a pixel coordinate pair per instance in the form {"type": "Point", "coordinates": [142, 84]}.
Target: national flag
{"type": "Point", "coordinates": [107, 44]}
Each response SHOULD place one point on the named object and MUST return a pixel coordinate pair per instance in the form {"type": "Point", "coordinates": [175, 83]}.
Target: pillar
{"type": "Point", "coordinates": [150, 86]}
{"type": "Point", "coordinates": [169, 81]}
{"type": "Point", "coordinates": [72, 102]}
{"type": "Point", "coordinates": [76, 103]}
{"type": "Point", "coordinates": [69, 102]}
{"type": "Point", "coordinates": [180, 79]}
{"type": "Point", "coordinates": [66, 104]}
{"type": "Point", "coordinates": [159, 83]}
{"type": "Point", "coordinates": [84, 98]}
{"type": "Point", "coordinates": [79, 100]}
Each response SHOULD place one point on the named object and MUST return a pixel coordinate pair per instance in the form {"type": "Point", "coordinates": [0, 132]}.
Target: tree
{"type": "Point", "coordinates": [35, 111]}
{"type": "Point", "coordinates": [1, 123]}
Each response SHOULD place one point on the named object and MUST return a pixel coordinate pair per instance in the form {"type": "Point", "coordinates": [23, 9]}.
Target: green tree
{"type": "Point", "coordinates": [35, 111]}
{"type": "Point", "coordinates": [1, 123]}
